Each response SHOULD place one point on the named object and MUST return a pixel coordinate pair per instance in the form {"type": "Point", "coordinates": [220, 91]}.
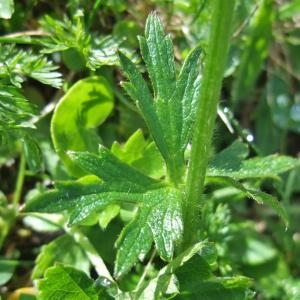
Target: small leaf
{"type": "Point", "coordinates": [6, 9]}
{"type": "Point", "coordinates": [32, 153]}
{"type": "Point", "coordinates": [289, 10]}
{"type": "Point", "coordinates": [85, 106]}
{"type": "Point", "coordinates": [259, 196]}
{"type": "Point", "coordinates": [141, 154]}
{"type": "Point", "coordinates": [7, 269]}
{"type": "Point", "coordinates": [230, 163]}
{"type": "Point", "coordinates": [66, 283]}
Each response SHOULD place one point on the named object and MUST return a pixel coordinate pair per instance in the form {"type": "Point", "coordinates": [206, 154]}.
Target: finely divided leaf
{"type": "Point", "coordinates": [66, 283]}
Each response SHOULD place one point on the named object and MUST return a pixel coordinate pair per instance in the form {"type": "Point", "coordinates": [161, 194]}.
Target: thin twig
{"type": "Point", "coordinates": [244, 23]}
{"type": "Point", "coordinates": [146, 270]}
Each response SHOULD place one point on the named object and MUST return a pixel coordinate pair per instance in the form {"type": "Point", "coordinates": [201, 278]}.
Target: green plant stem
{"type": "Point", "coordinates": [20, 180]}
{"type": "Point", "coordinates": [206, 113]}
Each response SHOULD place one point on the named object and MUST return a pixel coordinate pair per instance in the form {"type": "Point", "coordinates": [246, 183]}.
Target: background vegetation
{"type": "Point", "coordinates": [47, 46]}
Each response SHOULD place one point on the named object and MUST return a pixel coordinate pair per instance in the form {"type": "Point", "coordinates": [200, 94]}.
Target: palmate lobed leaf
{"type": "Point", "coordinates": [160, 220]}
{"type": "Point", "coordinates": [169, 112]}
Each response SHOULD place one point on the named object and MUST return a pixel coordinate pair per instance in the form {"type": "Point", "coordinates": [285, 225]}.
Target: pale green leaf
{"type": "Point", "coordinates": [289, 10]}
{"type": "Point", "coordinates": [6, 9]}
{"type": "Point", "coordinates": [7, 269]}
{"type": "Point", "coordinates": [85, 106]}
{"type": "Point", "coordinates": [66, 283]}
{"type": "Point", "coordinates": [141, 154]}
{"type": "Point", "coordinates": [52, 253]}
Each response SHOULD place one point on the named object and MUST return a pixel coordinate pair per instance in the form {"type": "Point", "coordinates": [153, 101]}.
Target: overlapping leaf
{"type": "Point", "coordinates": [159, 218]}
{"type": "Point", "coordinates": [169, 112]}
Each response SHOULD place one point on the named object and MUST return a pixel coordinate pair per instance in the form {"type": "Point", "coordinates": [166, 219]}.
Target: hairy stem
{"type": "Point", "coordinates": [206, 113]}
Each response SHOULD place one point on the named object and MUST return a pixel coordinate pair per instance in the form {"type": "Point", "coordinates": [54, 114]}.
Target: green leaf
{"type": "Point", "coordinates": [259, 196]}
{"type": "Point", "coordinates": [230, 163]}
{"type": "Point", "coordinates": [32, 153]}
{"type": "Point", "coordinates": [173, 99]}
{"type": "Point", "coordinates": [169, 112]}
{"type": "Point", "coordinates": [160, 220]}
{"type": "Point", "coordinates": [186, 95]}
{"type": "Point", "coordinates": [289, 10]}
{"type": "Point", "coordinates": [80, 199]}
{"type": "Point", "coordinates": [231, 157]}
{"type": "Point", "coordinates": [255, 50]}
{"type": "Point", "coordinates": [141, 154]}
{"type": "Point", "coordinates": [15, 110]}
{"type": "Point", "coordinates": [52, 253]}
{"type": "Point", "coordinates": [21, 64]}
{"type": "Point", "coordinates": [85, 106]}
{"type": "Point", "coordinates": [138, 90]}
{"type": "Point", "coordinates": [7, 269]}
{"type": "Point", "coordinates": [6, 9]}
{"type": "Point", "coordinates": [66, 283]}
{"type": "Point", "coordinates": [111, 170]}
{"type": "Point", "coordinates": [157, 51]}
{"type": "Point", "coordinates": [158, 286]}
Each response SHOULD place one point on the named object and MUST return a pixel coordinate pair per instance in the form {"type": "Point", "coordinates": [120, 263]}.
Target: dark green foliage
{"type": "Point", "coordinates": [103, 196]}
